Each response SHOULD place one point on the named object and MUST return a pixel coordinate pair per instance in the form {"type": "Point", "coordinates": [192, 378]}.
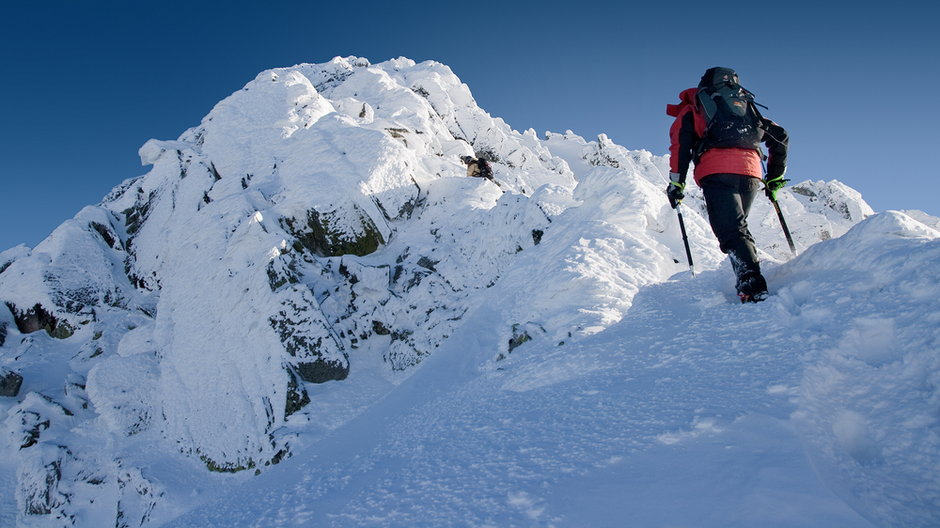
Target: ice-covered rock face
{"type": "Point", "coordinates": [319, 221]}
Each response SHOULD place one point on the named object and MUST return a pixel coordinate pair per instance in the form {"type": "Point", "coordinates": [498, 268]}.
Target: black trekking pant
{"type": "Point", "coordinates": [728, 198]}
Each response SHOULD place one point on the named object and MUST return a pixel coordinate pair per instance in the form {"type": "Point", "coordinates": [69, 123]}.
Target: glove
{"type": "Point", "coordinates": [675, 189]}
{"type": "Point", "coordinates": [772, 185]}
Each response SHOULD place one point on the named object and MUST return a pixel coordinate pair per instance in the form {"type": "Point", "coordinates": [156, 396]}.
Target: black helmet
{"type": "Point", "coordinates": [717, 76]}
{"type": "Point", "coordinates": [466, 159]}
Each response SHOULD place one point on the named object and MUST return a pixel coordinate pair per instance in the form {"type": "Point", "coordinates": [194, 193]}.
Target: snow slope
{"type": "Point", "coordinates": [817, 407]}
{"type": "Point", "coordinates": [306, 312]}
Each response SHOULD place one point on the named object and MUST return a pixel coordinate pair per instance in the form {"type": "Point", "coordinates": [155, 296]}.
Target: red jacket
{"type": "Point", "coordinates": [689, 128]}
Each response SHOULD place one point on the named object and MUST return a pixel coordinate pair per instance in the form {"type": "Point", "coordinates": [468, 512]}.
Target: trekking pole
{"type": "Point", "coordinates": [773, 199]}
{"type": "Point", "coordinates": [783, 223]}
{"type": "Point", "coordinates": [685, 240]}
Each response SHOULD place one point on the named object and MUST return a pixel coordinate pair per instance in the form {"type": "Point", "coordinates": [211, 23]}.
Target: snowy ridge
{"type": "Point", "coordinates": [308, 277]}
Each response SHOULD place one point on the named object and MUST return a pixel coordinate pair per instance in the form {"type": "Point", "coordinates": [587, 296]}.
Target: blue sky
{"type": "Point", "coordinates": [85, 84]}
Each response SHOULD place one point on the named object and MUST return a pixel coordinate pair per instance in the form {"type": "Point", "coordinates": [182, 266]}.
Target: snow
{"type": "Point", "coordinates": [531, 352]}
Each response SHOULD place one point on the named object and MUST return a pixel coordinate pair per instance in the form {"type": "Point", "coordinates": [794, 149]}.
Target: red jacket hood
{"type": "Point", "coordinates": [686, 97]}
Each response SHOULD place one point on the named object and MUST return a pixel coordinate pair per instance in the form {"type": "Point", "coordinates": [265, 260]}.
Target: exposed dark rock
{"type": "Point", "coordinates": [801, 190]}
{"type": "Point", "coordinates": [379, 328]}
{"type": "Point", "coordinates": [297, 397]}
{"type": "Point", "coordinates": [398, 133]}
{"type": "Point", "coordinates": [10, 383]}
{"type": "Point", "coordinates": [139, 498]}
{"type": "Point", "coordinates": [601, 158]}
{"type": "Point", "coordinates": [537, 236]}
{"type": "Point", "coordinates": [80, 299]}
{"type": "Point", "coordinates": [246, 180]}
{"type": "Point", "coordinates": [141, 282]}
{"type": "Point", "coordinates": [404, 352]}
{"type": "Point", "coordinates": [134, 216]}
{"type": "Point", "coordinates": [522, 334]}
{"type": "Point", "coordinates": [321, 371]}
{"type": "Point", "coordinates": [41, 492]}
{"type": "Point", "coordinates": [487, 154]}
{"type": "Point", "coordinates": [226, 467]}
{"type": "Point", "coordinates": [281, 273]}
{"type": "Point", "coordinates": [37, 318]}
{"type": "Point", "coordinates": [105, 233]}
{"type": "Point", "coordinates": [318, 236]}
{"type": "Point", "coordinates": [306, 345]}
{"type": "Point", "coordinates": [518, 338]}
{"type": "Point", "coordinates": [427, 263]}
{"type": "Point", "coordinates": [277, 458]}
{"type": "Point", "coordinates": [30, 428]}
{"type": "Point", "coordinates": [344, 271]}
{"type": "Point", "coordinates": [408, 208]}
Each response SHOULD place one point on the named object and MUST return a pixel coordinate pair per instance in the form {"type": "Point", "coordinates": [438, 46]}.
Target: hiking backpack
{"type": "Point", "coordinates": [731, 117]}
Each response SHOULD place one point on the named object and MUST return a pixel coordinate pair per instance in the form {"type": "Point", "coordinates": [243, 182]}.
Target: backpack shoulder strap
{"type": "Point", "coordinates": [706, 101]}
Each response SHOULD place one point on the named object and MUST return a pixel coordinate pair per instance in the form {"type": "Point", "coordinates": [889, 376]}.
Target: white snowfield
{"type": "Point", "coordinates": [305, 314]}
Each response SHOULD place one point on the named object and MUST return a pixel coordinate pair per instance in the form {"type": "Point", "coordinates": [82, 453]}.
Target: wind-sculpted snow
{"type": "Point", "coordinates": [869, 401]}
{"type": "Point", "coordinates": [313, 252]}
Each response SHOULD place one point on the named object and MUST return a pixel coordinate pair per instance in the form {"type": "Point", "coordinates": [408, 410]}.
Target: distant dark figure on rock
{"type": "Point", "coordinates": [478, 167]}
{"type": "Point", "coordinates": [719, 128]}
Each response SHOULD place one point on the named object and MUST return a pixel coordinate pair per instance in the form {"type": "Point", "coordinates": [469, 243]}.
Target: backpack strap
{"type": "Point", "coordinates": [706, 102]}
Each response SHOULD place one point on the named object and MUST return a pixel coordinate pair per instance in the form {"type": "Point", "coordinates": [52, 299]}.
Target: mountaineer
{"type": "Point", "coordinates": [718, 128]}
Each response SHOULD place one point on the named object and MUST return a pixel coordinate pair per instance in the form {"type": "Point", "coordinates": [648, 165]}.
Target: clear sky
{"type": "Point", "coordinates": [84, 84]}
